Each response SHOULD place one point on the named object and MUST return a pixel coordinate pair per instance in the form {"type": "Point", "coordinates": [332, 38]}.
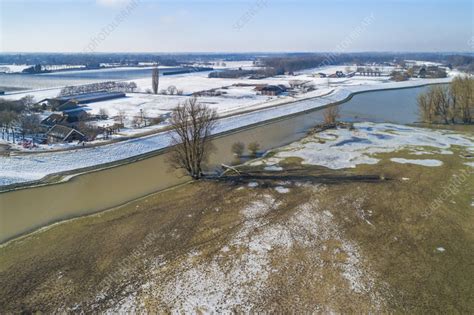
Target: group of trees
{"type": "Point", "coordinates": [109, 86]}
{"type": "Point", "coordinates": [171, 90]}
{"type": "Point", "coordinates": [17, 118]}
{"type": "Point", "coordinates": [239, 147]}
{"type": "Point", "coordinates": [448, 104]}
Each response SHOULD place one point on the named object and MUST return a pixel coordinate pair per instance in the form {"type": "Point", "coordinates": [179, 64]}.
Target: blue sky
{"type": "Point", "coordinates": [236, 25]}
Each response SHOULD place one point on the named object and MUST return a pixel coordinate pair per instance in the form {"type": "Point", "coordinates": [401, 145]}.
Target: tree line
{"type": "Point", "coordinates": [110, 86]}
{"type": "Point", "coordinates": [448, 104]}
{"type": "Point", "coordinates": [17, 118]}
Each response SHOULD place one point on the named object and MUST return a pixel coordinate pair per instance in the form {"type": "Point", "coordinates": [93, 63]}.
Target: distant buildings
{"type": "Point", "coordinates": [66, 123]}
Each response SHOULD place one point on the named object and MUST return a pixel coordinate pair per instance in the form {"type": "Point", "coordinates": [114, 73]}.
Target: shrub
{"type": "Point", "coordinates": [238, 149]}
{"type": "Point", "coordinates": [331, 114]}
{"type": "Point", "coordinates": [253, 148]}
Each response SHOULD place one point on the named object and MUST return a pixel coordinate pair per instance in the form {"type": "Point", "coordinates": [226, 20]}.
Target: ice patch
{"type": "Point", "coordinates": [429, 163]}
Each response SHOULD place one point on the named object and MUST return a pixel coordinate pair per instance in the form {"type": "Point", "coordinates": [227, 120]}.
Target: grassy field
{"type": "Point", "coordinates": [387, 237]}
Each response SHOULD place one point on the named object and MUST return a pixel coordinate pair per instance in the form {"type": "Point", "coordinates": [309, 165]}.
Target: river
{"type": "Point", "coordinates": [27, 209]}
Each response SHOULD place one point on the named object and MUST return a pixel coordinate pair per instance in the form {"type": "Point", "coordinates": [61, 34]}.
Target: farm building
{"type": "Point", "coordinates": [72, 101]}
{"type": "Point", "coordinates": [65, 118]}
{"type": "Point", "coordinates": [53, 119]}
{"type": "Point", "coordinates": [59, 133]}
{"type": "Point", "coordinates": [271, 90]}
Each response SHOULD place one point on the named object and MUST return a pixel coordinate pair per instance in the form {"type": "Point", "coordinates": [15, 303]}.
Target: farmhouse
{"type": "Point", "coordinates": [59, 133]}
{"type": "Point", "coordinates": [271, 90]}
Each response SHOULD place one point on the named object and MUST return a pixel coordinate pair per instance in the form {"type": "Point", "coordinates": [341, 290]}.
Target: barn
{"type": "Point", "coordinates": [62, 103]}
{"type": "Point", "coordinates": [60, 134]}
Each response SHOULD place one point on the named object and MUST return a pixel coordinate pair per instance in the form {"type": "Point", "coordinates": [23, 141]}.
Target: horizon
{"type": "Point", "coordinates": [236, 26]}
{"type": "Point", "coordinates": [235, 52]}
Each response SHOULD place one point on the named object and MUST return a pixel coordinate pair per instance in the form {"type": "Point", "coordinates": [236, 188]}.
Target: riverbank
{"type": "Point", "coordinates": [332, 240]}
{"type": "Point", "coordinates": [73, 195]}
{"type": "Point", "coordinates": [33, 167]}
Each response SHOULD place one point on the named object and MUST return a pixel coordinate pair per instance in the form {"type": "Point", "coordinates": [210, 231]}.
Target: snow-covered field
{"type": "Point", "coordinates": [343, 148]}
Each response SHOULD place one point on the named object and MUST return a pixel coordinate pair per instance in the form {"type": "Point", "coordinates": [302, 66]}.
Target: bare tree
{"type": "Point", "coordinates": [238, 149]}
{"type": "Point", "coordinates": [426, 108]}
{"type": "Point", "coordinates": [253, 147]}
{"type": "Point", "coordinates": [331, 114]}
{"type": "Point", "coordinates": [442, 103]}
{"type": "Point", "coordinates": [28, 101]}
{"type": "Point", "coordinates": [462, 92]}
{"type": "Point", "coordinates": [132, 86]}
{"type": "Point", "coordinates": [192, 125]}
{"type": "Point", "coordinates": [29, 124]}
{"type": "Point", "coordinates": [103, 113]}
{"type": "Point", "coordinates": [172, 90]}
{"type": "Point", "coordinates": [120, 118]}
{"type": "Point", "coordinates": [155, 80]}
{"type": "Point", "coordinates": [8, 120]}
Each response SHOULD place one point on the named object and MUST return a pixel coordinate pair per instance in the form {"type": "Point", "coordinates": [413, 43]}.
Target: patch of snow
{"type": "Point", "coordinates": [282, 190]}
{"type": "Point", "coordinates": [446, 152]}
{"type": "Point", "coordinates": [253, 184]}
{"type": "Point", "coordinates": [346, 149]}
{"type": "Point", "coordinates": [259, 207]}
{"type": "Point", "coordinates": [429, 163]}
{"type": "Point", "coordinates": [273, 168]}
{"type": "Point", "coordinates": [440, 249]}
